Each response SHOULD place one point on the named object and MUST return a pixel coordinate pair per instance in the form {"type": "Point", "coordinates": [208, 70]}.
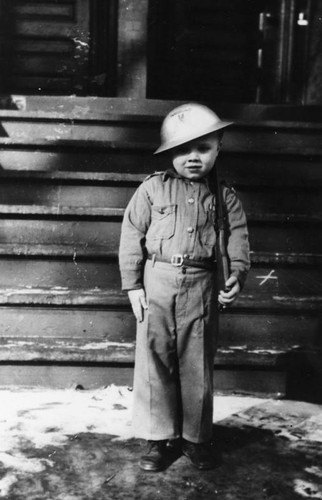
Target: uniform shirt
{"type": "Point", "coordinates": [168, 215]}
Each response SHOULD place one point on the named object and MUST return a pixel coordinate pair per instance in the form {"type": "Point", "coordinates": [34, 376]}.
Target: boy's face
{"type": "Point", "coordinates": [195, 159]}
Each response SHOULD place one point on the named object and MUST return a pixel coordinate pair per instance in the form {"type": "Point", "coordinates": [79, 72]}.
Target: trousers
{"type": "Point", "coordinates": [175, 347]}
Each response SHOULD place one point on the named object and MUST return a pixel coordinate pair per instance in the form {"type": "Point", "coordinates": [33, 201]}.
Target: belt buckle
{"type": "Point", "coordinates": [177, 260]}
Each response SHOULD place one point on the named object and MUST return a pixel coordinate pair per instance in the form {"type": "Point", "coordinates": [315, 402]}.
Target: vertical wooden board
{"type": "Point", "coordinates": [104, 36]}
{"type": "Point", "coordinates": [81, 37]}
{"type": "Point", "coordinates": [132, 37]}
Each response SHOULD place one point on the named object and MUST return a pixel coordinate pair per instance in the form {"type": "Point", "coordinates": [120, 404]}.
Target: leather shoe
{"type": "Point", "coordinates": [155, 458]}
{"type": "Point", "coordinates": [200, 454]}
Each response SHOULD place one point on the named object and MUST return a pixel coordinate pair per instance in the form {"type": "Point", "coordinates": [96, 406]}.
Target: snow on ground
{"type": "Point", "coordinates": [36, 418]}
{"type": "Point", "coordinates": [48, 417]}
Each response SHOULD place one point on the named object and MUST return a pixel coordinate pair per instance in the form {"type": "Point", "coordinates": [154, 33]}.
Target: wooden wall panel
{"type": "Point", "coordinates": [60, 376]}
{"type": "Point", "coordinates": [91, 335]}
{"type": "Point", "coordinates": [274, 171]}
{"type": "Point", "coordinates": [63, 237]}
{"type": "Point", "coordinates": [87, 237]}
{"type": "Point", "coordinates": [28, 132]}
{"type": "Point", "coordinates": [62, 47]}
{"type": "Point", "coordinates": [64, 11]}
{"type": "Point", "coordinates": [13, 193]}
{"type": "Point", "coordinates": [95, 327]}
{"type": "Point", "coordinates": [62, 274]}
{"type": "Point", "coordinates": [284, 238]}
{"type": "Point", "coordinates": [68, 170]}
{"type": "Point", "coordinates": [87, 281]}
{"type": "Point", "coordinates": [76, 160]}
{"type": "Point", "coordinates": [47, 46]}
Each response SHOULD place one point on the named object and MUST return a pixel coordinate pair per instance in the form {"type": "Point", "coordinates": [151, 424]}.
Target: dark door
{"type": "Point", "coordinates": [229, 50]}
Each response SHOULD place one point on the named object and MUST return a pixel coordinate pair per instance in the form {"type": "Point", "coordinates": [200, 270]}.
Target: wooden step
{"type": "Point", "coordinates": [97, 297]}
{"type": "Point", "coordinates": [61, 211]}
{"type": "Point", "coordinates": [91, 107]}
{"type": "Point", "coordinates": [131, 132]}
{"type": "Point", "coordinates": [76, 212]}
{"type": "Point", "coordinates": [255, 139]}
{"type": "Point", "coordinates": [99, 236]}
{"type": "Point", "coordinates": [97, 351]}
{"type": "Point", "coordinates": [70, 166]}
{"type": "Point", "coordinates": [246, 335]}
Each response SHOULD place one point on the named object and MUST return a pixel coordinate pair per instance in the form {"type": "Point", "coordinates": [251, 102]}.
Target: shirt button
{"type": "Point", "coordinates": [190, 229]}
{"type": "Point", "coordinates": [191, 201]}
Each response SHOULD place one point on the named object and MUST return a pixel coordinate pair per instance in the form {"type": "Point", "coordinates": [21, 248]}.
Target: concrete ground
{"type": "Point", "coordinates": [78, 444]}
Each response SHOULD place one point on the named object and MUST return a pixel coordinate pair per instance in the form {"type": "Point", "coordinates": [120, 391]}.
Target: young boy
{"type": "Point", "coordinates": [168, 266]}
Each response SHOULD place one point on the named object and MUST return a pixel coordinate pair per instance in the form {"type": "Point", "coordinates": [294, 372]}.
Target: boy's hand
{"type": "Point", "coordinates": [138, 302]}
{"type": "Point", "coordinates": [233, 288]}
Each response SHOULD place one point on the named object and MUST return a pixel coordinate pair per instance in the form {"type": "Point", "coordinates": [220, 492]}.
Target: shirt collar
{"type": "Point", "coordinates": [171, 172]}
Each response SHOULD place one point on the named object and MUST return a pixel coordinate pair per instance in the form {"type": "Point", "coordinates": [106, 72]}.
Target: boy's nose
{"type": "Point", "coordinates": [193, 153]}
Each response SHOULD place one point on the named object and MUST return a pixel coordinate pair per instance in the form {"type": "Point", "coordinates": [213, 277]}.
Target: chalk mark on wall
{"type": "Point", "coordinates": [267, 277]}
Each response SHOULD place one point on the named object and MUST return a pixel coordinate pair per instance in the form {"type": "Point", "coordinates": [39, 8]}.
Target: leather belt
{"type": "Point", "coordinates": [178, 260]}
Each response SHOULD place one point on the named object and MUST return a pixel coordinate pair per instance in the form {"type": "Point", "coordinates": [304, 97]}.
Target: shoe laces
{"type": "Point", "coordinates": [156, 444]}
{"type": "Point", "coordinates": [200, 447]}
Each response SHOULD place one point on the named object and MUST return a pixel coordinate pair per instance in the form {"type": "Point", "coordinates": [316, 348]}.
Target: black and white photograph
{"type": "Point", "coordinates": [160, 249]}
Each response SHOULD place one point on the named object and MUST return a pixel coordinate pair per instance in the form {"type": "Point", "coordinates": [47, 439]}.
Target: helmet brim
{"type": "Point", "coordinates": [178, 142]}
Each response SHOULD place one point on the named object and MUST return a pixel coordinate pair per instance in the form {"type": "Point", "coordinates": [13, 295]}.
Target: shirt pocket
{"type": "Point", "coordinates": [163, 222]}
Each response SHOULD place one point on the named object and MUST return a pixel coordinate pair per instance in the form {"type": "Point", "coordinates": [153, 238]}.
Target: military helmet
{"type": "Point", "coordinates": [186, 123]}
